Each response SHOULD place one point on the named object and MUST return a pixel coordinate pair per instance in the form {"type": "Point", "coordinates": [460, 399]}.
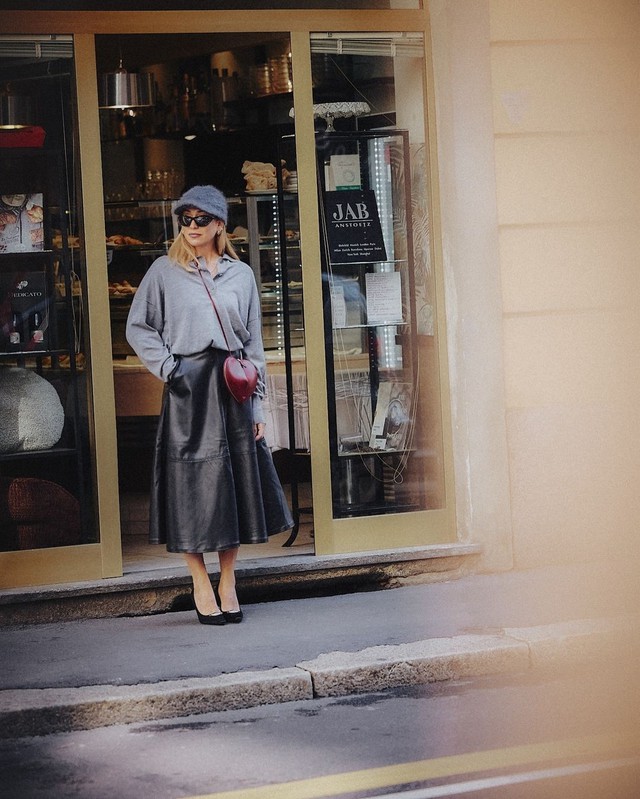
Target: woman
{"type": "Point", "coordinates": [214, 484]}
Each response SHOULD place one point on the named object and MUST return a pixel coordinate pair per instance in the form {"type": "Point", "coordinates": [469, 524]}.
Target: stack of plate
{"type": "Point", "coordinates": [280, 74]}
{"type": "Point", "coordinates": [291, 182]}
{"type": "Point", "coordinates": [260, 80]}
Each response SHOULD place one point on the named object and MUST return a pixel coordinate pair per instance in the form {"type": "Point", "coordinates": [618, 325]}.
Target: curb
{"type": "Point", "coordinates": [29, 712]}
{"type": "Point", "coordinates": [42, 711]}
{"type": "Point", "coordinates": [417, 663]}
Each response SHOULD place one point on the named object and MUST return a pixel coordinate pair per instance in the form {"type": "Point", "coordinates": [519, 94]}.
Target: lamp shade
{"type": "Point", "coordinates": [16, 110]}
{"type": "Point", "coordinates": [122, 89]}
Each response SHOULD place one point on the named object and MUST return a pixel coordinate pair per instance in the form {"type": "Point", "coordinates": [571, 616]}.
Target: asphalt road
{"type": "Point", "coordinates": [446, 739]}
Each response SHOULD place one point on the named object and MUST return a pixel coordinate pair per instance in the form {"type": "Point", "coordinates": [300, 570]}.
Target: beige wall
{"type": "Point", "coordinates": [473, 295]}
{"type": "Point", "coordinates": [541, 212]}
{"type": "Point", "coordinates": [565, 103]}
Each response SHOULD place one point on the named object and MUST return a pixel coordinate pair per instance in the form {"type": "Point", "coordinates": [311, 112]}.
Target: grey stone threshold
{"type": "Point", "coordinates": [260, 580]}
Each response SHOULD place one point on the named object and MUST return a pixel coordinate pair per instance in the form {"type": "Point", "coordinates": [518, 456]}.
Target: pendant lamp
{"type": "Point", "coordinates": [15, 110]}
{"type": "Point", "coordinates": [122, 89]}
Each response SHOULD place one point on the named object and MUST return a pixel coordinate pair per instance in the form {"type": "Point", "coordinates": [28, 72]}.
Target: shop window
{"type": "Point", "coordinates": [46, 469]}
{"type": "Point", "coordinates": [381, 334]}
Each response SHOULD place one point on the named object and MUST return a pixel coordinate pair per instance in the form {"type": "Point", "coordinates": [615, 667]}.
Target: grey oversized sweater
{"type": "Point", "coordinates": [172, 315]}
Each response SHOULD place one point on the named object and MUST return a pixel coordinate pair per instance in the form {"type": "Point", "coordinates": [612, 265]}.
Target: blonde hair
{"type": "Point", "coordinates": [183, 253]}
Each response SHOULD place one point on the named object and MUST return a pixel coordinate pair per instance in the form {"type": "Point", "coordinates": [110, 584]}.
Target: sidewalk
{"type": "Point", "coordinates": [96, 672]}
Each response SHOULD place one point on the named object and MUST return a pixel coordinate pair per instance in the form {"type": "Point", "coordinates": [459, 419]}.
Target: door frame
{"type": "Point", "coordinates": [420, 528]}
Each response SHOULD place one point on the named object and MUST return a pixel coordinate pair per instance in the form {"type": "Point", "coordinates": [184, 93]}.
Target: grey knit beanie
{"type": "Point", "coordinates": [204, 198]}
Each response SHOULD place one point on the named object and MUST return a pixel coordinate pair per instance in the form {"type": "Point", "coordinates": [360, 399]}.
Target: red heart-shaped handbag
{"type": "Point", "coordinates": [241, 377]}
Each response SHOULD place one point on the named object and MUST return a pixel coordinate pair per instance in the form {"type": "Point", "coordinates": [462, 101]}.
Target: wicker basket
{"type": "Point", "coordinates": [37, 513]}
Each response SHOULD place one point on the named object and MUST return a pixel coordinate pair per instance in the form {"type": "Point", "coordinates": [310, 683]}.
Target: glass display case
{"type": "Point", "coordinates": [139, 231]}
{"type": "Point", "coordinates": [46, 471]}
{"type": "Point", "coordinates": [272, 248]}
{"type": "Point", "coordinates": [376, 415]}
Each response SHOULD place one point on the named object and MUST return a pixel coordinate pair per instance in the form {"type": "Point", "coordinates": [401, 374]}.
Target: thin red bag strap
{"type": "Point", "coordinates": [214, 308]}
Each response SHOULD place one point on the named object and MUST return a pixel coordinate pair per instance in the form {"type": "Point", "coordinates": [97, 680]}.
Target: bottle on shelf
{"type": "Point", "coordinates": [225, 89]}
{"type": "Point", "coordinates": [202, 102]}
{"type": "Point", "coordinates": [185, 102]}
{"type": "Point", "coordinates": [203, 96]}
{"type": "Point", "coordinates": [217, 116]}
{"type": "Point", "coordinates": [36, 332]}
{"type": "Point", "coordinates": [173, 110]}
{"type": "Point", "coordinates": [15, 329]}
{"type": "Point", "coordinates": [230, 93]}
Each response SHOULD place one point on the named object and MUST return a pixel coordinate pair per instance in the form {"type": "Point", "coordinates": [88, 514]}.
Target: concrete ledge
{"type": "Point", "coordinates": [30, 712]}
{"type": "Point", "coordinates": [584, 641]}
{"type": "Point", "coordinates": [372, 669]}
{"type": "Point", "coordinates": [42, 711]}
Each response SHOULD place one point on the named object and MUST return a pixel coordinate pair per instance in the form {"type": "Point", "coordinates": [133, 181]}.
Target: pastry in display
{"type": "Point", "coordinates": [123, 241]}
{"type": "Point", "coordinates": [261, 177]}
{"type": "Point", "coordinates": [121, 289]}
{"type": "Point", "coordinates": [65, 361]}
{"type": "Point", "coordinates": [72, 241]}
{"type": "Point", "coordinates": [238, 234]}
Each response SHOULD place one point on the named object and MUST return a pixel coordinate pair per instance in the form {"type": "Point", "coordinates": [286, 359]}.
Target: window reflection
{"type": "Point", "coordinates": [382, 365]}
{"type": "Point", "coordinates": [45, 458]}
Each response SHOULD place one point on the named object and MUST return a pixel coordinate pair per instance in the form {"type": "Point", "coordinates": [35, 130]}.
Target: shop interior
{"type": "Point", "coordinates": [178, 110]}
{"type": "Point", "coordinates": [218, 109]}
{"type": "Point", "coordinates": [212, 111]}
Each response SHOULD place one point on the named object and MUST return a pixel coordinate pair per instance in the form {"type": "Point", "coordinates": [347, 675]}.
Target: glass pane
{"type": "Point", "coordinates": [382, 365]}
{"type": "Point", "coordinates": [46, 471]}
{"type": "Point", "coordinates": [221, 108]}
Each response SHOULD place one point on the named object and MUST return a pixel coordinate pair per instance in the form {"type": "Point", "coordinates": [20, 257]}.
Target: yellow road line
{"type": "Point", "coordinates": [449, 766]}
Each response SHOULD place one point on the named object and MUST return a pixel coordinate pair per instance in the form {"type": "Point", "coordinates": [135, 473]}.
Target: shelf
{"type": "Point", "coordinates": [27, 254]}
{"type": "Point", "coordinates": [34, 353]}
{"type": "Point", "coordinates": [150, 250]}
{"type": "Point", "coordinates": [368, 263]}
{"type": "Point", "coordinates": [141, 203]}
{"type": "Point", "coordinates": [368, 453]}
{"type": "Point", "coordinates": [39, 453]}
{"type": "Point", "coordinates": [373, 324]}
{"type": "Point", "coordinates": [377, 509]}
{"type": "Point", "coordinates": [261, 195]}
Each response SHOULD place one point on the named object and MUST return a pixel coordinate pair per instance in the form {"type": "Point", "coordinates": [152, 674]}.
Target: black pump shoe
{"type": "Point", "coordinates": [231, 616]}
{"type": "Point", "coordinates": [218, 618]}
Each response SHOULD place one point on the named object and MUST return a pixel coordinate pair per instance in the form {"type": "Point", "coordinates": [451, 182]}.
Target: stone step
{"type": "Point", "coordinates": [260, 580]}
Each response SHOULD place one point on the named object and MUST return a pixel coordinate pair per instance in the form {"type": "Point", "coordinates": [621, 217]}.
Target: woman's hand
{"type": "Point", "coordinates": [259, 430]}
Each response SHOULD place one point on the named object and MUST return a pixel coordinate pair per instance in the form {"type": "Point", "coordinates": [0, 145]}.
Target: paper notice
{"type": "Point", "coordinates": [384, 298]}
{"type": "Point", "coordinates": [346, 172]}
{"type": "Point", "coordinates": [338, 307]}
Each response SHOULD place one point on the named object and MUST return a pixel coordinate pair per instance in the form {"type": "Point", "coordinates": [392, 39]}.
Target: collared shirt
{"type": "Point", "coordinates": [171, 314]}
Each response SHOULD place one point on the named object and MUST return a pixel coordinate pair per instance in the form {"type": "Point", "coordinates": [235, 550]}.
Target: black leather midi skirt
{"type": "Point", "coordinates": [214, 486]}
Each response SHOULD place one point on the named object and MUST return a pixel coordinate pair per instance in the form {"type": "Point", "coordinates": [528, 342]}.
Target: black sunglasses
{"type": "Point", "coordinates": [201, 221]}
